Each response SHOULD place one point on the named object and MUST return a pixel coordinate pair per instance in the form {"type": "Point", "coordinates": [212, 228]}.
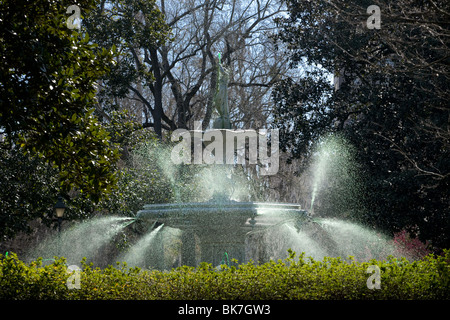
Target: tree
{"type": "Point", "coordinates": [29, 190]}
{"type": "Point", "coordinates": [47, 90]}
{"type": "Point", "coordinates": [390, 100]}
{"type": "Point", "coordinates": [170, 84]}
{"type": "Point", "coordinates": [50, 140]}
{"type": "Point", "coordinates": [183, 71]}
{"type": "Point", "coordinates": [131, 25]}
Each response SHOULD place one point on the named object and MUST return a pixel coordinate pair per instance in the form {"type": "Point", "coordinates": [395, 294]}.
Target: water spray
{"type": "Point", "coordinates": [133, 220]}
{"type": "Point", "coordinates": [138, 254]}
{"type": "Point", "coordinates": [311, 210]}
{"type": "Point", "coordinates": [155, 225]}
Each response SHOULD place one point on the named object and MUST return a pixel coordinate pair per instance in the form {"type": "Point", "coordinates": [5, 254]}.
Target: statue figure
{"type": "Point", "coordinates": [221, 98]}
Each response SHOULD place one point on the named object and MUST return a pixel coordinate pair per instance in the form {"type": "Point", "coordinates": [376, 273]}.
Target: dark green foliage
{"type": "Point", "coordinates": [302, 278]}
{"type": "Point", "coordinates": [141, 180]}
{"type": "Point", "coordinates": [51, 140]}
{"type": "Point", "coordinates": [147, 175]}
{"type": "Point", "coordinates": [392, 106]}
{"type": "Point", "coordinates": [29, 190]}
{"type": "Point", "coordinates": [47, 90]}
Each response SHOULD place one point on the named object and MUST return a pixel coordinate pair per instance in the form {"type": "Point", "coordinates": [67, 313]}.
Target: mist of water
{"type": "Point", "coordinates": [336, 182]}
{"type": "Point", "coordinates": [191, 183]}
{"type": "Point", "coordinates": [336, 178]}
{"type": "Point", "coordinates": [300, 241]}
{"type": "Point", "coordinates": [81, 240]}
{"type": "Point", "coordinates": [140, 254]}
{"type": "Point", "coordinates": [319, 170]}
{"type": "Point", "coordinates": [361, 242]}
{"type": "Point", "coordinates": [330, 238]}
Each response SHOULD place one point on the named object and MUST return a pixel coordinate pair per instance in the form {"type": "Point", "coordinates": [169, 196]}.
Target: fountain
{"type": "Point", "coordinates": [221, 224]}
{"type": "Point", "coordinates": [221, 229]}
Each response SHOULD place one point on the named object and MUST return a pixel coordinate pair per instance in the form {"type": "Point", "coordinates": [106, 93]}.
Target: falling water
{"type": "Point", "coordinates": [82, 240]}
{"type": "Point", "coordinates": [140, 254]}
{"type": "Point", "coordinates": [320, 168]}
{"type": "Point", "coordinates": [358, 241]}
{"type": "Point", "coordinates": [335, 173]}
{"type": "Point", "coordinates": [327, 152]}
{"type": "Point", "coordinates": [302, 242]}
{"type": "Point", "coordinates": [329, 238]}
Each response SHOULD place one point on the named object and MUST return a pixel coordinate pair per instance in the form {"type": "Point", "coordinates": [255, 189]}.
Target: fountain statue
{"type": "Point", "coordinates": [221, 98]}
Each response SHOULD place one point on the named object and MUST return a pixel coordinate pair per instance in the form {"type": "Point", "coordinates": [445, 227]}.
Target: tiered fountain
{"type": "Point", "coordinates": [221, 227]}
{"type": "Point", "coordinates": [221, 224]}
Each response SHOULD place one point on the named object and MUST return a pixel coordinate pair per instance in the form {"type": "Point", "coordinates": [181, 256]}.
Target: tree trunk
{"type": "Point", "coordinates": [158, 110]}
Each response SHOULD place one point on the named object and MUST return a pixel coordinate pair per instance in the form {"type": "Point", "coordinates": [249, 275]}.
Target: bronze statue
{"type": "Point", "coordinates": [221, 98]}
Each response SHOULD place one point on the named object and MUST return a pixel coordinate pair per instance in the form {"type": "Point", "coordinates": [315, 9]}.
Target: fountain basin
{"type": "Point", "coordinates": [219, 226]}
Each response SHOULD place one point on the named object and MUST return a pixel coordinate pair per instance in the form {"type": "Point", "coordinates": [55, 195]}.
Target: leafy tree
{"type": "Point", "coordinates": [47, 90]}
{"type": "Point", "coordinates": [29, 190]}
{"type": "Point", "coordinates": [390, 100]}
{"type": "Point", "coordinates": [51, 141]}
{"type": "Point", "coordinates": [31, 185]}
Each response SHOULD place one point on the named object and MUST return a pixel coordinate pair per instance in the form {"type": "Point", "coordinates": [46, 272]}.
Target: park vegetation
{"type": "Point", "coordinates": [294, 278]}
{"type": "Point", "coordinates": [83, 113]}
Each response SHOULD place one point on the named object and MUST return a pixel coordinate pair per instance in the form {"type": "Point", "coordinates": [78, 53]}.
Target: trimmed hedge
{"type": "Point", "coordinates": [293, 278]}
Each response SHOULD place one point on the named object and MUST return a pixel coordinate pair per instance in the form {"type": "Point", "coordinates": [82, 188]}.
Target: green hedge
{"type": "Point", "coordinates": [293, 278]}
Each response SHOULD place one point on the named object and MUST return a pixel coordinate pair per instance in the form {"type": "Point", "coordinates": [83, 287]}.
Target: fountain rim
{"type": "Point", "coordinates": [219, 208]}
{"type": "Point", "coordinates": [222, 204]}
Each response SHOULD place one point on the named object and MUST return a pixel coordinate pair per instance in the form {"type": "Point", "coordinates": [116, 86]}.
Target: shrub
{"type": "Point", "coordinates": [408, 246]}
{"type": "Point", "coordinates": [293, 278]}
